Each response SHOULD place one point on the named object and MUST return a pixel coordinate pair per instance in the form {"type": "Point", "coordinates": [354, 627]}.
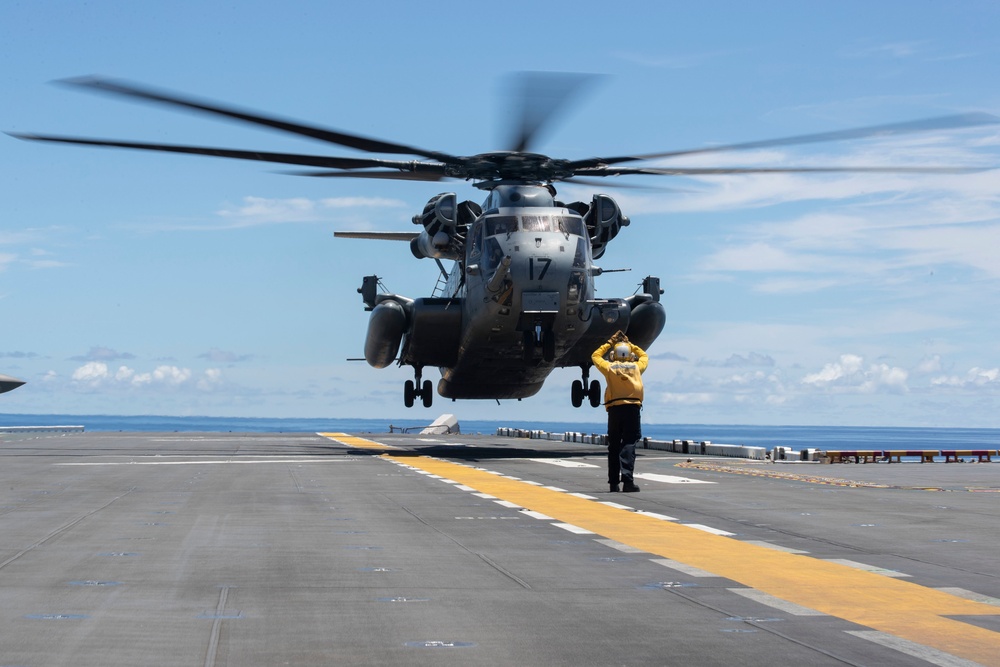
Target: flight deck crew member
{"type": "Point", "coordinates": [623, 401]}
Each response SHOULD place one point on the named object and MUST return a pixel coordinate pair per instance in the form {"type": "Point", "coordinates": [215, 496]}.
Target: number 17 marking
{"type": "Point", "coordinates": [545, 268]}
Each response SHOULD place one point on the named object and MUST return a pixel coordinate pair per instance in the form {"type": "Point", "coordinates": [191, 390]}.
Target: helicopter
{"type": "Point", "coordinates": [519, 299]}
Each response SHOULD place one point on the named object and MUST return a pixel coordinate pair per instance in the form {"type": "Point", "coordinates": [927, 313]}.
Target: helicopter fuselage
{"type": "Point", "coordinates": [527, 272]}
{"type": "Point", "coordinates": [518, 302]}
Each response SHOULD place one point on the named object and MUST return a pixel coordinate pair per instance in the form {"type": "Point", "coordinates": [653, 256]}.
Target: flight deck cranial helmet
{"type": "Point", "coordinates": [622, 352]}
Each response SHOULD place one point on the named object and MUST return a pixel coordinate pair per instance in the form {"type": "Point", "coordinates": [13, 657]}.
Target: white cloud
{"type": "Point", "coordinates": [929, 365]}
{"type": "Point", "coordinates": [848, 365]}
{"type": "Point", "coordinates": [361, 202]}
{"type": "Point", "coordinates": [101, 353]}
{"type": "Point", "coordinates": [95, 374]}
{"type": "Point", "coordinates": [896, 235]}
{"type": "Point", "coordinates": [740, 361]}
{"type": "Point", "coordinates": [693, 398]}
{"type": "Point", "coordinates": [970, 245]}
{"type": "Point", "coordinates": [92, 373]}
{"type": "Point", "coordinates": [883, 376]}
{"type": "Point", "coordinates": [795, 286]}
{"type": "Point", "coordinates": [255, 211]}
{"type": "Point", "coordinates": [211, 379]}
{"type": "Point", "coordinates": [217, 356]}
{"type": "Point", "coordinates": [30, 257]}
{"type": "Point", "coordinates": [975, 377]}
{"type": "Point", "coordinates": [171, 375]}
{"type": "Point", "coordinates": [749, 379]}
{"type": "Point", "coordinates": [261, 211]}
{"type": "Point", "coordinates": [761, 257]}
{"type": "Point", "coordinates": [850, 375]}
{"type": "Point", "coordinates": [16, 238]}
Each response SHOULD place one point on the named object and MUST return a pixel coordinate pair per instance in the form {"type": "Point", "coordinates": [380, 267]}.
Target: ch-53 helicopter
{"type": "Point", "coordinates": [519, 300]}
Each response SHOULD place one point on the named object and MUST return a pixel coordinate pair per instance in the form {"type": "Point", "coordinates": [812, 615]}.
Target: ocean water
{"type": "Point", "coordinates": [795, 437]}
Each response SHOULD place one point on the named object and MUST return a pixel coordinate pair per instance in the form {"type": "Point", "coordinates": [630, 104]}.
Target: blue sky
{"type": "Point", "coordinates": [140, 283]}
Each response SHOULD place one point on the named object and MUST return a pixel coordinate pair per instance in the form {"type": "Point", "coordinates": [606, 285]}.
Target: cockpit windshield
{"type": "Point", "coordinates": [508, 224]}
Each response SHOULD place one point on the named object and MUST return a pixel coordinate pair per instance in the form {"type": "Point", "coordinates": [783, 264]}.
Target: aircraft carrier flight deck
{"type": "Point", "coordinates": [406, 549]}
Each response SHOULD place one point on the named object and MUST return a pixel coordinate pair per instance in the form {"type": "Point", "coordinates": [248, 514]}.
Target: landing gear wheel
{"type": "Point", "coordinates": [577, 393]}
{"type": "Point", "coordinates": [594, 394]}
{"type": "Point", "coordinates": [409, 393]}
{"type": "Point", "coordinates": [427, 393]}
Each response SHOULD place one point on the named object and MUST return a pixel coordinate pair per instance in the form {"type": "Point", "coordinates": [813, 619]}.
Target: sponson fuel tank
{"type": "Point", "coordinates": [432, 328]}
{"type": "Point", "coordinates": [7, 383]}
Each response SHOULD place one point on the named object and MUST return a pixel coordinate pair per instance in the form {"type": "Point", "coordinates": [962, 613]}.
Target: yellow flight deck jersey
{"type": "Point", "coordinates": [624, 377]}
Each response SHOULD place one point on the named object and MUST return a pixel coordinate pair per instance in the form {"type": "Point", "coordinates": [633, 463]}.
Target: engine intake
{"type": "Point", "coordinates": [445, 222]}
{"type": "Point", "coordinates": [604, 220]}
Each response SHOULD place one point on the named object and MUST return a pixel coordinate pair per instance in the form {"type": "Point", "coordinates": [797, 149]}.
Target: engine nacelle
{"type": "Point", "coordinates": [604, 219]}
{"type": "Point", "coordinates": [443, 236]}
{"type": "Point", "coordinates": [435, 332]}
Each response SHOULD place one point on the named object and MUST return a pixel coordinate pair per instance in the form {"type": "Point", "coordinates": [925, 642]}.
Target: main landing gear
{"type": "Point", "coordinates": [411, 391]}
{"type": "Point", "coordinates": [581, 389]}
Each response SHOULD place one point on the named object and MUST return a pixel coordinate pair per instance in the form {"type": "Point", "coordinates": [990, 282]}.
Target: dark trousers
{"type": "Point", "coordinates": [624, 431]}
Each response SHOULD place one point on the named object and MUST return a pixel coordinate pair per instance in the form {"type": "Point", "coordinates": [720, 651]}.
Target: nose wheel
{"type": "Point", "coordinates": [538, 337]}
{"type": "Point", "coordinates": [414, 389]}
{"type": "Point", "coordinates": [581, 390]}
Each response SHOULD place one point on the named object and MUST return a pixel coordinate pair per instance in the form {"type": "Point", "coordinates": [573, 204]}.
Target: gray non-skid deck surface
{"type": "Point", "coordinates": [235, 549]}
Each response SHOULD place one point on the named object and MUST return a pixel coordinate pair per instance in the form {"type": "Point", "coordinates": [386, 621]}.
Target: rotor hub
{"type": "Point", "coordinates": [510, 166]}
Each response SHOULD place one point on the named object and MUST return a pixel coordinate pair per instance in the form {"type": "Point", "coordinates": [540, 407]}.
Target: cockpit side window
{"type": "Point", "coordinates": [570, 225]}
{"type": "Point", "coordinates": [494, 253]}
{"type": "Point", "coordinates": [501, 224]}
{"type": "Point", "coordinates": [476, 238]}
{"type": "Point", "coordinates": [580, 257]}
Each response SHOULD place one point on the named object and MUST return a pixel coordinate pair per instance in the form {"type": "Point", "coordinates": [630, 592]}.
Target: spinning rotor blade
{"type": "Point", "coordinates": [928, 124]}
{"type": "Point", "coordinates": [620, 186]}
{"type": "Point", "coordinates": [330, 162]}
{"type": "Point", "coordinates": [378, 236]}
{"type": "Point", "coordinates": [330, 136]}
{"type": "Point", "coordinates": [700, 171]}
{"type": "Point", "coordinates": [541, 96]}
{"type": "Point", "coordinates": [386, 175]}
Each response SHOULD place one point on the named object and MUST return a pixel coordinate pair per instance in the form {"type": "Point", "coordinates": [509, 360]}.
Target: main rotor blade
{"type": "Point", "coordinates": [331, 136]}
{"type": "Point", "coordinates": [891, 129]}
{"type": "Point", "coordinates": [620, 186]}
{"type": "Point", "coordinates": [330, 162]}
{"type": "Point", "coordinates": [378, 236]}
{"type": "Point", "coordinates": [700, 171]}
{"type": "Point", "coordinates": [385, 175]}
{"type": "Point", "coordinates": [541, 96]}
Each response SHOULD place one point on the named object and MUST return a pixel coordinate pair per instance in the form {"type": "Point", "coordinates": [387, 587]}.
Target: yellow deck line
{"type": "Point", "coordinates": [899, 608]}
{"type": "Point", "coordinates": [353, 441]}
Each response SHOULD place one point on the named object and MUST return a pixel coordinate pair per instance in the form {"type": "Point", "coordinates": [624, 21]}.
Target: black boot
{"type": "Point", "coordinates": [629, 487]}
{"type": "Point", "coordinates": [614, 488]}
